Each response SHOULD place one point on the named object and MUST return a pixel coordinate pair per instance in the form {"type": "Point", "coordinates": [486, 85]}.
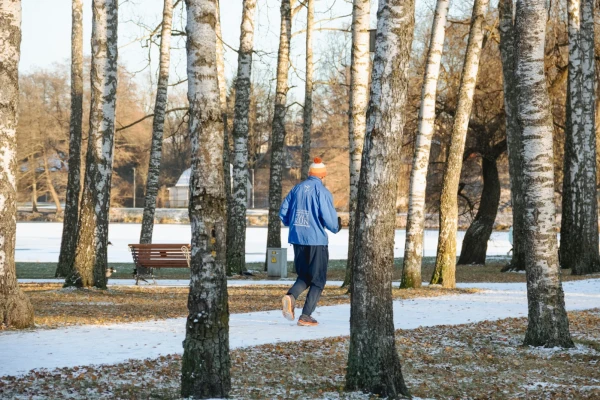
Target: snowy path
{"type": "Point", "coordinates": [40, 241]}
{"type": "Point", "coordinates": [108, 344]}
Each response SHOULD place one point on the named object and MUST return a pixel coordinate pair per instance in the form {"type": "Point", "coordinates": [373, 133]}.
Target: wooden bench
{"type": "Point", "coordinates": [152, 256]}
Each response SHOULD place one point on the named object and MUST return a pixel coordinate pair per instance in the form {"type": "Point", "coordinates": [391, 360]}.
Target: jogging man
{"type": "Point", "coordinates": [308, 210]}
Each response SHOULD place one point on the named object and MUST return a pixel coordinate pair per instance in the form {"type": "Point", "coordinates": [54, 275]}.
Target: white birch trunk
{"type": "Point", "coordinates": [236, 251]}
{"type": "Point", "coordinates": [15, 309]}
{"type": "Point", "coordinates": [413, 247]}
{"type": "Point", "coordinates": [278, 128]}
{"type": "Point", "coordinates": [158, 126]}
{"type": "Point", "coordinates": [357, 113]}
{"type": "Point", "coordinates": [373, 361]}
{"type": "Point", "coordinates": [579, 224]}
{"type": "Point", "coordinates": [308, 90]}
{"type": "Point", "coordinates": [205, 362]}
{"type": "Point", "coordinates": [445, 263]}
{"type": "Point", "coordinates": [69, 234]}
{"type": "Point", "coordinates": [89, 265]}
{"type": "Point", "coordinates": [547, 319]}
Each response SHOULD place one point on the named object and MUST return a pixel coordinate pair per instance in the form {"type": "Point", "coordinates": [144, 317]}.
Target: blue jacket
{"type": "Point", "coordinates": [308, 210]}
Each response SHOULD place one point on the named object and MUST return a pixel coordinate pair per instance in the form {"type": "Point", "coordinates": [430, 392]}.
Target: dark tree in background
{"type": "Point", "coordinates": [69, 235]}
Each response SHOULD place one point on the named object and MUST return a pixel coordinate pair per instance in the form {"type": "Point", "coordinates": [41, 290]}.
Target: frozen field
{"type": "Point", "coordinates": [40, 241]}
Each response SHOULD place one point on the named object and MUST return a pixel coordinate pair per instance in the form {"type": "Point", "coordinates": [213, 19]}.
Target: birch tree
{"type": "Point", "coordinates": [579, 224]}
{"type": "Point", "coordinates": [278, 127]}
{"type": "Point", "coordinates": [513, 134]}
{"type": "Point", "coordinates": [158, 125]}
{"type": "Point", "coordinates": [69, 233]}
{"type": "Point", "coordinates": [445, 263]}
{"type": "Point", "coordinates": [308, 90]}
{"type": "Point", "coordinates": [359, 95]}
{"type": "Point", "coordinates": [89, 264]}
{"type": "Point", "coordinates": [547, 319]}
{"type": "Point", "coordinates": [206, 363]}
{"type": "Point", "coordinates": [236, 227]}
{"type": "Point", "coordinates": [413, 247]}
{"type": "Point", "coordinates": [373, 361]}
{"type": "Point", "coordinates": [15, 309]}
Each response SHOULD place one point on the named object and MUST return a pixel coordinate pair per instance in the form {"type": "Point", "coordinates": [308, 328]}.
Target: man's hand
{"type": "Point", "coordinates": [339, 223]}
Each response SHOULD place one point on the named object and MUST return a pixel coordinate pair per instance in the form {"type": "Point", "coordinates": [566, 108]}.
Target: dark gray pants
{"type": "Point", "coordinates": [311, 266]}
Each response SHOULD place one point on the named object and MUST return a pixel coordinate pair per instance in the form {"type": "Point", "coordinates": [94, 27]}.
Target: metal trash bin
{"type": "Point", "coordinates": [277, 262]}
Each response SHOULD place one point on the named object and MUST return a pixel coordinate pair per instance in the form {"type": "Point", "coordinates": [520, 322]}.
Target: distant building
{"type": "Point", "coordinates": [179, 194]}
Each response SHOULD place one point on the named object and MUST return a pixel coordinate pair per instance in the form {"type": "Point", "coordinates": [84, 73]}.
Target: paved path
{"type": "Point", "coordinates": [85, 345]}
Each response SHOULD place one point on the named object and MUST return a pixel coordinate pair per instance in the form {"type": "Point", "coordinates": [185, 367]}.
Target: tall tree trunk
{"type": "Point", "coordinates": [15, 309]}
{"type": "Point", "coordinates": [206, 363]}
{"type": "Point", "coordinates": [34, 194]}
{"type": "Point", "coordinates": [69, 233]}
{"type": "Point", "coordinates": [445, 263]}
{"type": "Point", "coordinates": [413, 247]}
{"type": "Point", "coordinates": [49, 183]}
{"type": "Point", "coordinates": [236, 251]}
{"type": "Point", "coordinates": [373, 361]}
{"type": "Point", "coordinates": [579, 224]}
{"type": "Point", "coordinates": [158, 125]}
{"type": "Point", "coordinates": [475, 242]}
{"type": "Point", "coordinates": [513, 133]}
{"type": "Point", "coordinates": [89, 264]}
{"type": "Point", "coordinates": [547, 319]}
{"type": "Point", "coordinates": [226, 165]}
{"type": "Point", "coordinates": [308, 90]}
{"type": "Point", "coordinates": [278, 129]}
{"type": "Point", "coordinates": [357, 112]}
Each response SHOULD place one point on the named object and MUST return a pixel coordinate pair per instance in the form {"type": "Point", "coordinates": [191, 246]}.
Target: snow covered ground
{"type": "Point", "coordinates": [109, 344]}
{"type": "Point", "coordinates": [40, 241]}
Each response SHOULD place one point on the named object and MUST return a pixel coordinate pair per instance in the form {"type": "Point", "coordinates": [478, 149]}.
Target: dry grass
{"type": "Point", "coordinates": [474, 361]}
{"type": "Point", "coordinates": [55, 307]}
{"type": "Point", "coordinates": [470, 273]}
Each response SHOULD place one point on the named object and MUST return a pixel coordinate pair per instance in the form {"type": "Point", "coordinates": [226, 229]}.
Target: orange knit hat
{"type": "Point", "coordinates": [317, 168]}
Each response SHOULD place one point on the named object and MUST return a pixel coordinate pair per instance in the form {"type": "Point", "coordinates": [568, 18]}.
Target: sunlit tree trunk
{"type": "Point", "coordinates": [357, 113]}
{"type": "Point", "coordinates": [513, 133]}
{"type": "Point", "coordinates": [308, 90]}
{"type": "Point", "coordinates": [158, 125]}
{"type": "Point", "coordinates": [547, 319]}
{"type": "Point", "coordinates": [579, 224]}
{"type": "Point", "coordinates": [236, 227]}
{"type": "Point", "coordinates": [413, 247]}
{"type": "Point", "coordinates": [15, 309]}
{"type": "Point", "coordinates": [206, 363]}
{"type": "Point", "coordinates": [71, 215]}
{"type": "Point", "coordinates": [373, 361]}
{"type": "Point", "coordinates": [278, 129]}
{"type": "Point", "coordinates": [89, 264]}
{"type": "Point", "coordinates": [445, 263]}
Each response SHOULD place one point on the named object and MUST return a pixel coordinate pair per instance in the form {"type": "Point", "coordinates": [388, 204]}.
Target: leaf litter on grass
{"type": "Point", "coordinates": [474, 361]}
